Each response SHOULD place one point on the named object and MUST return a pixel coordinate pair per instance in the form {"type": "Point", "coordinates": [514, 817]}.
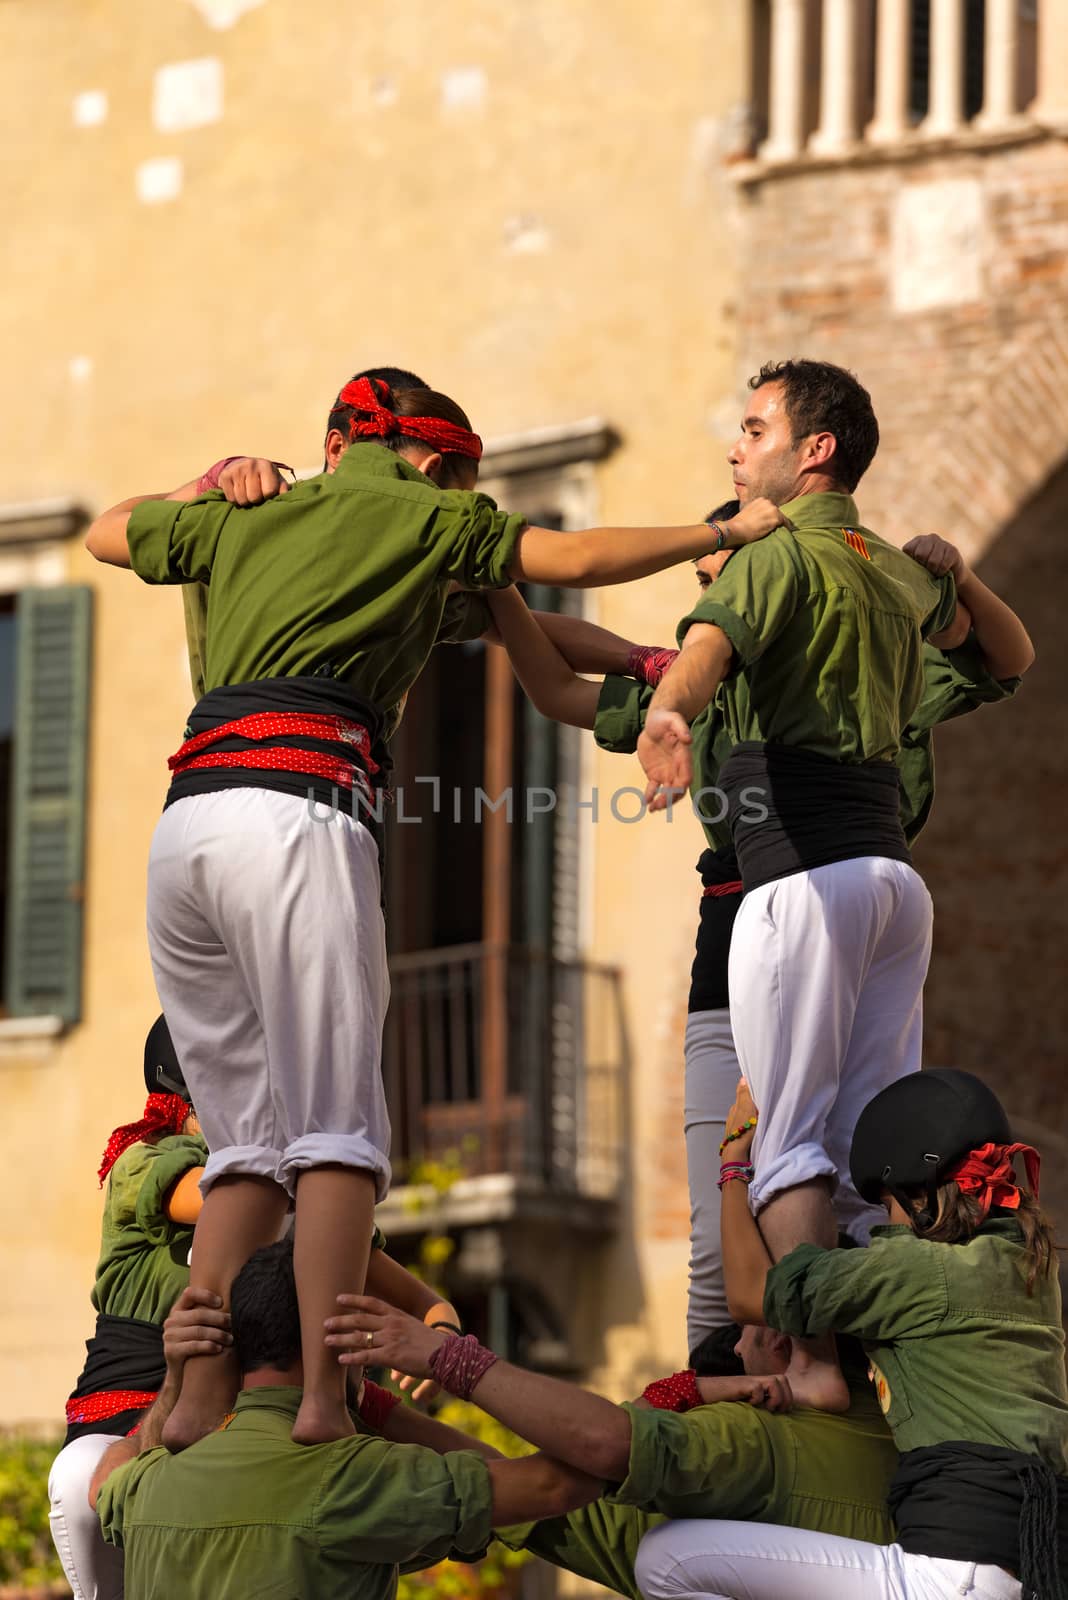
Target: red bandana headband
{"type": "Point", "coordinates": [164, 1113]}
{"type": "Point", "coordinates": [381, 422]}
{"type": "Point", "coordinates": [987, 1174]}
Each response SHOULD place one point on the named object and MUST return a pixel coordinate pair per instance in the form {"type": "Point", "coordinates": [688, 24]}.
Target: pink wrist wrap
{"type": "Point", "coordinates": [210, 479]}
{"type": "Point", "coordinates": [648, 663]}
{"type": "Point", "coordinates": [458, 1364]}
{"type": "Point", "coordinates": [376, 1404]}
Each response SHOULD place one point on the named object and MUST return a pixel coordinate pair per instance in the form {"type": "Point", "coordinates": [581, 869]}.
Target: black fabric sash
{"type": "Point", "coordinates": [708, 975]}
{"type": "Point", "coordinates": [791, 810]}
{"type": "Point", "coordinates": [322, 695]}
{"type": "Point", "coordinates": [124, 1353]}
{"type": "Point", "coordinates": [976, 1502]}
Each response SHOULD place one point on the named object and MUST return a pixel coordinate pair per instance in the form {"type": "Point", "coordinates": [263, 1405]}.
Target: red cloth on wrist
{"type": "Point", "coordinates": [376, 1405]}
{"type": "Point", "coordinates": [648, 663]}
{"type": "Point", "coordinates": [677, 1393]}
{"type": "Point", "coordinates": [210, 479]}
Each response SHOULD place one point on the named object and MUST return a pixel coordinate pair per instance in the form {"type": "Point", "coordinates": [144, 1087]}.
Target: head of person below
{"type": "Point", "coordinates": [247, 1511]}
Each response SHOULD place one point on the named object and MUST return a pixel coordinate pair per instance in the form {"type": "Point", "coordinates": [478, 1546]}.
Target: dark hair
{"type": "Point", "coordinates": [392, 377]}
{"type": "Point", "coordinates": [821, 398]}
{"type": "Point", "coordinates": [264, 1314]}
{"type": "Point", "coordinates": [714, 1357]}
{"type": "Point", "coordinates": [412, 402]}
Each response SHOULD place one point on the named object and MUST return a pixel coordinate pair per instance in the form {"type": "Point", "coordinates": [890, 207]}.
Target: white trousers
{"type": "Point", "coordinates": [712, 1074]}
{"type": "Point", "coordinates": [698, 1560]}
{"type": "Point", "coordinates": [269, 952]}
{"type": "Point", "coordinates": [826, 981]}
{"type": "Point", "coordinates": [93, 1568]}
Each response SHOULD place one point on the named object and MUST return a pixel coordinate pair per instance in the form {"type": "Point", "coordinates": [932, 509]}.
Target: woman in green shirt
{"type": "Point", "coordinates": [958, 1306]}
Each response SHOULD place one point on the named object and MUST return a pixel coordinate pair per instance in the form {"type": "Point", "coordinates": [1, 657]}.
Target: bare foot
{"type": "Point", "coordinates": [819, 1385]}
{"type": "Point", "coordinates": [187, 1423]}
{"type": "Point", "coordinates": [319, 1421]}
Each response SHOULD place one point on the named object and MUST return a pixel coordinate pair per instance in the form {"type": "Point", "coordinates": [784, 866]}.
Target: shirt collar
{"type": "Point", "coordinates": [828, 510]}
{"type": "Point", "coordinates": [376, 461]}
{"type": "Point", "coordinates": [270, 1398]}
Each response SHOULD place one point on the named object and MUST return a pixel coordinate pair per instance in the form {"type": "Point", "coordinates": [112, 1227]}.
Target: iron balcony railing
{"type": "Point", "coordinates": [510, 1059]}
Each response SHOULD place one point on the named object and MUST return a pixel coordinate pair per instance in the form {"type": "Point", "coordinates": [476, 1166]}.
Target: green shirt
{"type": "Point", "coordinates": [144, 1256]}
{"type": "Point", "coordinates": [960, 1349]}
{"type": "Point", "coordinates": [348, 571]}
{"type": "Point", "coordinates": [246, 1512]}
{"type": "Point", "coordinates": [954, 682]}
{"type": "Point", "coordinates": [826, 636]}
{"type": "Point", "coordinates": [804, 1469]}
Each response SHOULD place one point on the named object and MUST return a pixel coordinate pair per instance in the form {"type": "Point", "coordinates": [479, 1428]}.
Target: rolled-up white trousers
{"type": "Point", "coordinates": [826, 979]}
{"type": "Point", "coordinates": [268, 947]}
{"type": "Point", "coordinates": [94, 1569]}
{"type": "Point", "coordinates": [699, 1560]}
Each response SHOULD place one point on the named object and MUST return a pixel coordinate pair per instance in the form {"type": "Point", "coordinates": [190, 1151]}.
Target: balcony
{"type": "Point", "coordinates": [509, 1065]}
{"type": "Point", "coordinates": [847, 80]}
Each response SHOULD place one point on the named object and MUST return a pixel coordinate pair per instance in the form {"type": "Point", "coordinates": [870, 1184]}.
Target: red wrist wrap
{"type": "Point", "coordinates": [648, 663]}
{"type": "Point", "coordinates": [376, 1404]}
{"type": "Point", "coordinates": [210, 479]}
{"type": "Point", "coordinates": [459, 1363]}
{"type": "Point", "coordinates": [677, 1393]}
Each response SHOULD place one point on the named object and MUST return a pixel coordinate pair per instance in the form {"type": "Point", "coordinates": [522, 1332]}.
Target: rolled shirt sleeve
{"type": "Point", "coordinates": [893, 1289]}
{"type": "Point", "coordinates": [752, 600]}
{"type": "Point", "coordinates": [956, 682]}
{"type": "Point", "coordinates": [621, 708]}
{"type": "Point", "coordinates": [174, 541]}
{"type": "Point", "coordinates": [716, 1461]}
{"type": "Point", "coordinates": [406, 1505]}
{"type": "Point", "coordinates": [945, 607]}
{"type": "Point", "coordinates": [481, 540]}
{"type": "Point", "coordinates": [142, 1178]}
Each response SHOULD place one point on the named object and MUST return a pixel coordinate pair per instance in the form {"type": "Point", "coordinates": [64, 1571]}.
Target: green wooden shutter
{"type": "Point", "coordinates": [48, 790]}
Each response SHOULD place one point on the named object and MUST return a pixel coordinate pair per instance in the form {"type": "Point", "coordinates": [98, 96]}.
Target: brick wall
{"type": "Point", "coordinates": [943, 282]}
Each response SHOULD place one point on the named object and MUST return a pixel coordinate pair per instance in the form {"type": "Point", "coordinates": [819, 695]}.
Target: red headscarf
{"type": "Point", "coordinates": [987, 1175]}
{"type": "Point", "coordinates": [164, 1113]}
{"type": "Point", "coordinates": [380, 422]}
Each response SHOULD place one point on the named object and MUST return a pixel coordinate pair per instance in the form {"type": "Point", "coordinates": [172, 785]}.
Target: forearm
{"type": "Point", "coordinates": [390, 1281]}
{"type": "Point", "coordinates": [701, 666]}
{"type": "Point", "coordinates": [106, 539]}
{"type": "Point", "coordinates": [538, 1487]}
{"type": "Point", "coordinates": [115, 1456]}
{"type": "Point", "coordinates": [407, 1425]}
{"type": "Point", "coordinates": [581, 1428]}
{"type": "Point", "coordinates": [599, 556]}
{"type": "Point", "coordinates": [1001, 636]}
{"type": "Point", "coordinates": [746, 1258]}
{"type": "Point", "coordinates": [585, 646]}
{"type": "Point", "coordinates": [150, 1433]}
{"type": "Point", "coordinates": [547, 680]}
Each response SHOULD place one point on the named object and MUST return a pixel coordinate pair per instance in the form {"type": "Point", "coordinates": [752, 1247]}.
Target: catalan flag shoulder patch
{"type": "Point", "coordinates": [855, 542]}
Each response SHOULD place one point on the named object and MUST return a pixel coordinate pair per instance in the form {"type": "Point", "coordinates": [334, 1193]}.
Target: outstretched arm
{"type": "Point", "coordinates": [245, 480]}
{"type": "Point", "coordinates": [1001, 636]}
{"type": "Point", "coordinates": [547, 679]}
{"type": "Point", "coordinates": [616, 555]}
{"type": "Point", "coordinates": [579, 1427]}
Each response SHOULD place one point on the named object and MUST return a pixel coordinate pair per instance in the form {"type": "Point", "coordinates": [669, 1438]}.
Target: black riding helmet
{"type": "Point", "coordinates": [163, 1074]}
{"type": "Point", "coordinates": [917, 1128]}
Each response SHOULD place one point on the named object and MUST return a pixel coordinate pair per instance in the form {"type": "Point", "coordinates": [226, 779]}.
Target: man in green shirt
{"type": "Point", "coordinates": [247, 1511]}
{"type": "Point", "coordinates": [740, 1457]}
{"type": "Point", "coordinates": [814, 644]}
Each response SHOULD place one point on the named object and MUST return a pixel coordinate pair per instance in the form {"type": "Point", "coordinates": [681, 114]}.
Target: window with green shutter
{"type": "Point", "coordinates": [46, 796]}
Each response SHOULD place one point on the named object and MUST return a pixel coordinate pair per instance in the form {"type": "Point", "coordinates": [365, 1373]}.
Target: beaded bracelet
{"type": "Point", "coordinates": [737, 1132]}
{"type": "Point", "coordinates": [721, 538]}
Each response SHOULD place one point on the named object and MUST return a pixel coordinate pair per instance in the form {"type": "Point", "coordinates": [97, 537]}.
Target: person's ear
{"type": "Point", "coordinates": [820, 451]}
{"type": "Point", "coordinates": [335, 447]}
{"type": "Point", "coordinates": [781, 1346]}
{"type": "Point", "coordinates": [431, 466]}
